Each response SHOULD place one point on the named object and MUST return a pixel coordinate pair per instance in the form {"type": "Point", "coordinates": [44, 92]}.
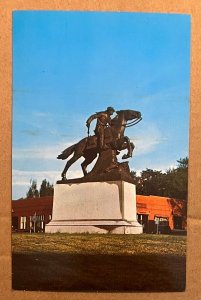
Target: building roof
{"type": "Point", "coordinates": [160, 204]}
{"type": "Point", "coordinates": [33, 204]}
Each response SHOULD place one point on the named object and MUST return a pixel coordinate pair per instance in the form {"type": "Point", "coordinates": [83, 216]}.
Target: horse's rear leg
{"type": "Point", "coordinates": [87, 161]}
{"type": "Point", "coordinates": [68, 164]}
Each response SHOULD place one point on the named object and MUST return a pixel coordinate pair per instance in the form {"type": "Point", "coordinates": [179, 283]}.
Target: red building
{"type": "Point", "coordinates": [31, 214]}
{"type": "Point", "coordinates": [161, 213]}
{"type": "Point", "coordinates": [156, 214]}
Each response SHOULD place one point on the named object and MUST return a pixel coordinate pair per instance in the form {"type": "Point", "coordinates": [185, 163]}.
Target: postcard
{"type": "Point", "coordinates": [100, 148]}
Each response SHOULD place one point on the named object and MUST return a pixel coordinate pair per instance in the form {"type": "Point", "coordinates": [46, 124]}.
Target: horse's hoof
{"type": "Point", "coordinates": [125, 156]}
{"type": "Point", "coordinates": [63, 177]}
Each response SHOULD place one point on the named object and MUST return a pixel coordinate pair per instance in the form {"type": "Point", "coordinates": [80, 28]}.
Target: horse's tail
{"type": "Point", "coordinates": [67, 152]}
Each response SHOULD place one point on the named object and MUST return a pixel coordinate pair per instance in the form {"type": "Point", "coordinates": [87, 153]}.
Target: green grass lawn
{"type": "Point", "coordinates": [89, 262]}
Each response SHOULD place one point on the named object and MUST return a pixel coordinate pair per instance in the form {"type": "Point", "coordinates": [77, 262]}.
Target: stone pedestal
{"type": "Point", "coordinates": [94, 207]}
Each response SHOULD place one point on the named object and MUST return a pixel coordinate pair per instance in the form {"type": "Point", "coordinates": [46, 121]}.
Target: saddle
{"type": "Point", "coordinates": [92, 140]}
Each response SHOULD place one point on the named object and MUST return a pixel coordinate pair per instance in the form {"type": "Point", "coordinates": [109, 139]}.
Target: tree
{"type": "Point", "coordinates": [173, 183]}
{"type": "Point", "coordinates": [150, 182]}
{"type": "Point", "coordinates": [46, 189]}
{"type": "Point", "coordinates": [177, 180]}
{"type": "Point", "coordinates": [183, 163]}
{"type": "Point", "coordinates": [33, 191]}
{"type": "Point", "coordinates": [138, 183]}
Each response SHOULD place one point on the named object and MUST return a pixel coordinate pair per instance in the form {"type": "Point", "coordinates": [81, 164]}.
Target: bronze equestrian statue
{"type": "Point", "coordinates": [107, 144]}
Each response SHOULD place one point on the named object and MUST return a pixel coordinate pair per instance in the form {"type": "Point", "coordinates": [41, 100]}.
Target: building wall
{"type": "Point", "coordinates": [162, 208]}
{"type": "Point", "coordinates": [38, 210]}
{"type": "Point", "coordinates": [170, 213]}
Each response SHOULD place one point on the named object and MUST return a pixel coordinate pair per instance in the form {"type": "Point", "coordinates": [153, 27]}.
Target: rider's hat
{"type": "Point", "coordinates": [109, 108]}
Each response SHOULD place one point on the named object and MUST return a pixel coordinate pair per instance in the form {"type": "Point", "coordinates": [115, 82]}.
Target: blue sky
{"type": "Point", "coordinates": [68, 65]}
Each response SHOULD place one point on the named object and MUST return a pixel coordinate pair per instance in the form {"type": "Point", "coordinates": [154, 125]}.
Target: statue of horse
{"type": "Point", "coordinates": [114, 139]}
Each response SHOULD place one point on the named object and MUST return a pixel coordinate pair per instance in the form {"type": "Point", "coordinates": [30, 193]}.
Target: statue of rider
{"type": "Point", "coordinates": [103, 120]}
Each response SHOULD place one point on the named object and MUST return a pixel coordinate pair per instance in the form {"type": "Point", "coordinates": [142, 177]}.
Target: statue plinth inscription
{"type": "Point", "coordinates": [103, 200]}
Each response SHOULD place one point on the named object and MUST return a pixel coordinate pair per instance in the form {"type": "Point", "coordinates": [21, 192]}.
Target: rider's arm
{"type": "Point", "coordinates": [90, 119]}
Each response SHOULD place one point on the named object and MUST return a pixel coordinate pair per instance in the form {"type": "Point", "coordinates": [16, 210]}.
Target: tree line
{"type": "Point", "coordinates": [173, 183]}
{"type": "Point", "coordinates": [46, 189]}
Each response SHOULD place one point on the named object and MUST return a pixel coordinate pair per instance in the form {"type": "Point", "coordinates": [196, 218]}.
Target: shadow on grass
{"type": "Point", "coordinates": [67, 272]}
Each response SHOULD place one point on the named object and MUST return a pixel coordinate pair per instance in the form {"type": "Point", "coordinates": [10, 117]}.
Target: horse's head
{"type": "Point", "coordinates": [129, 114]}
{"type": "Point", "coordinates": [120, 121]}
{"type": "Point", "coordinates": [123, 116]}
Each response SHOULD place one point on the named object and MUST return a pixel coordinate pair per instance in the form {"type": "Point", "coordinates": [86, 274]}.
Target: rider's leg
{"type": "Point", "coordinates": [101, 138]}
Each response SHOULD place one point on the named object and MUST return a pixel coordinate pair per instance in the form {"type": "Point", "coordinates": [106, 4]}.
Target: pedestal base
{"type": "Point", "coordinates": [94, 207]}
{"type": "Point", "coordinates": [115, 227]}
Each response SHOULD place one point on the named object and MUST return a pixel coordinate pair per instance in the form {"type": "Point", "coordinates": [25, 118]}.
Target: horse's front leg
{"type": "Point", "coordinates": [130, 147]}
